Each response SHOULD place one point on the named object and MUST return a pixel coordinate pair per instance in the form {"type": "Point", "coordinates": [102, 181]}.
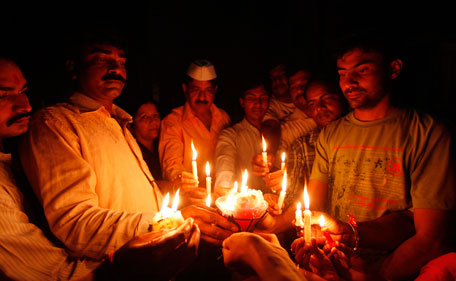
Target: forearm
{"type": "Point", "coordinates": [386, 232]}
{"type": "Point", "coordinates": [275, 265]}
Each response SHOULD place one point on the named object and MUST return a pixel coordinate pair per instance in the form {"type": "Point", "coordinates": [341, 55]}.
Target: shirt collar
{"type": "Point", "coordinates": [86, 104]}
{"type": "Point", "coordinates": [188, 112]}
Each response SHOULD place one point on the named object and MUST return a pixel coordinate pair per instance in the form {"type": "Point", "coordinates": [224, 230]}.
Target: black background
{"type": "Point", "coordinates": [239, 37]}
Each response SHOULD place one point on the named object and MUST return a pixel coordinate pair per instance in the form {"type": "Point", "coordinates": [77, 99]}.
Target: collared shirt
{"type": "Point", "coordinates": [234, 152]}
{"type": "Point", "coordinates": [88, 172]}
{"type": "Point", "coordinates": [25, 252]}
{"type": "Point", "coordinates": [301, 155]}
{"type": "Point", "coordinates": [178, 129]}
{"type": "Point", "coordinates": [279, 110]}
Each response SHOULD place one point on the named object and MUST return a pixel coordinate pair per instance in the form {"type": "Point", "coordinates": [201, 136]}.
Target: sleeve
{"type": "Point", "coordinates": [171, 148]}
{"type": "Point", "coordinates": [433, 174]}
{"type": "Point", "coordinates": [320, 168]}
{"type": "Point", "coordinates": [26, 253]}
{"type": "Point", "coordinates": [65, 184]}
{"type": "Point", "coordinates": [225, 158]}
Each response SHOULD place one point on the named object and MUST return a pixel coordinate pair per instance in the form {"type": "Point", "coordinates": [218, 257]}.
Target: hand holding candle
{"type": "Point", "coordinates": [283, 192]}
{"type": "Point", "coordinates": [325, 232]}
{"type": "Point", "coordinates": [194, 167]}
{"type": "Point", "coordinates": [168, 218]}
{"type": "Point", "coordinates": [307, 216]}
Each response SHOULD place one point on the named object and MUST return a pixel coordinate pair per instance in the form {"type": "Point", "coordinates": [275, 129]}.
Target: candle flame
{"type": "Point", "coordinates": [298, 206]}
{"type": "Point", "coordinates": [306, 198]}
{"type": "Point", "coordinates": [264, 144]}
{"type": "Point", "coordinates": [208, 200]}
{"type": "Point", "coordinates": [244, 182]}
{"type": "Point", "coordinates": [175, 201]}
{"type": "Point", "coordinates": [235, 188]}
{"type": "Point", "coordinates": [284, 181]}
{"type": "Point", "coordinates": [194, 152]}
{"type": "Point", "coordinates": [208, 169]}
{"type": "Point", "coordinates": [165, 203]}
{"type": "Point", "coordinates": [322, 221]}
{"type": "Point", "coordinates": [283, 156]}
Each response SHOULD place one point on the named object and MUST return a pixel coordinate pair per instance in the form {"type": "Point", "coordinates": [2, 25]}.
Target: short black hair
{"type": "Point", "coordinates": [369, 40]}
{"type": "Point", "coordinates": [253, 81]}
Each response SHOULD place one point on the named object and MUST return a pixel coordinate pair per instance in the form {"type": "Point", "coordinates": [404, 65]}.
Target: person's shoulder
{"type": "Point", "coordinates": [424, 121]}
{"type": "Point", "coordinates": [175, 115]}
{"type": "Point", "coordinates": [53, 112]}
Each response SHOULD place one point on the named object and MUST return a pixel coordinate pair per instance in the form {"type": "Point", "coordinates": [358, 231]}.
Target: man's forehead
{"type": "Point", "coordinates": [11, 77]}
{"type": "Point", "coordinates": [358, 55]}
{"type": "Point", "coordinates": [104, 49]}
{"type": "Point", "coordinates": [257, 91]}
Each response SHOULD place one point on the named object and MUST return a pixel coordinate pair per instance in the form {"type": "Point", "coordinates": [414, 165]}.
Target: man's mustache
{"type": "Point", "coordinates": [201, 101]}
{"type": "Point", "coordinates": [17, 117]}
{"type": "Point", "coordinates": [113, 77]}
{"type": "Point", "coordinates": [354, 89]}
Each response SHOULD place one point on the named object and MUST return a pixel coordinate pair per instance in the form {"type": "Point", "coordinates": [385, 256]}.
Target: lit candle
{"type": "Point", "coordinates": [244, 182]}
{"type": "Point", "coordinates": [265, 153]}
{"type": "Point", "coordinates": [299, 223]}
{"type": "Point", "coordinates": [283, 192]}
{"type": "Point", "coordinates": [325, 232]}
{"type": "Point", "coordinates": [168, 218]}
{"type": "Point", "coordinates": [208, 200]}
{"type": "Point", "coordinates": [283, 161]}
{"type": "Point", "coordinates": [175, 201]}
{"type": "Point", "coordinates": [194, 167]}
{"type": "Point", "coordinates": [307, 215]}
{"type": "Point", "coordinates": [164, 204]}
{"type": "Point", "coordinates": [208, 178]}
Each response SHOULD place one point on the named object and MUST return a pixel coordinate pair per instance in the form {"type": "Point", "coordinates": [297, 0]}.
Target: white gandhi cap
{"type": "Point", "coordinates": [202, 70]}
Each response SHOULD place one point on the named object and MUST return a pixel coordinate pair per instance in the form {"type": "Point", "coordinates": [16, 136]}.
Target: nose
{"type": "Point", "coordinates": [22, 104]}
{"type": "Point", "coordinates": [350, 80]}
{"type": "Point", "coordinates": [116, 66]}
{"type": "Point", "coordinates": [321, 105]}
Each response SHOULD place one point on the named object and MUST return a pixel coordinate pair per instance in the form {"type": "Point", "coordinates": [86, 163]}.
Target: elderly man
{"type": "Point", "coordinates": [85, 166]}
{"type": "Point", "coordinates": [198, 120]}
{"type": "Point", "coordinates": [26, 253]}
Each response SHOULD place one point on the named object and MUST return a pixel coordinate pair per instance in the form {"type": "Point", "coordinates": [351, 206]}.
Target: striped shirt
{"type": "Point", "coordinates": [25, 252]}
{"type": "Point", "coordinates": [301, 155]}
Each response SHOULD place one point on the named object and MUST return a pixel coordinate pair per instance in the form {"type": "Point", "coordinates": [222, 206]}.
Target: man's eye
{"type": "Point", "coordinates": [341, 74]}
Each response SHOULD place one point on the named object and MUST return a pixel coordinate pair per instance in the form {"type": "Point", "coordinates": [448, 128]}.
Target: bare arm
{"type": "Point", "coordinates": [432, 239]}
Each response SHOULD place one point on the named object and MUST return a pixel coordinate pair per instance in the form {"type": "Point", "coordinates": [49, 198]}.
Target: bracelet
{"type": "Point", "coordinates": [354, 226]}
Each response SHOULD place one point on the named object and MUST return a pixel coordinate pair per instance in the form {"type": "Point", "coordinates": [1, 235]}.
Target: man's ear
{"type": "Point", "coordinates": [395, 68]}
{"type": "Point", "coordinates": [184, 88]}
{"type": "Point", "coordinates": [70, 66]}
{"type": "Point", "coordinates": [241, 102]}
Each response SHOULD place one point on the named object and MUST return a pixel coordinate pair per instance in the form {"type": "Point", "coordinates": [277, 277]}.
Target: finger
{"type": "Point", "coordinates": [211, 240]}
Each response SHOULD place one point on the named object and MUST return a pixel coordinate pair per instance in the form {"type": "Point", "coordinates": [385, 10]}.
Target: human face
{"type": "Point", "coordinates": [14, 105]}
{"type": "Point", "coordinates": [363, 78]}
{"type": "Point", "coordinates": [323, 105]}
{"type": "Point", "coordinates": [146, 122]}
{"type": "Point", "coordinates": [255, 103]}
{"type": "Point", "coordinates": [279, 83]}
{"type": "Point", "coordinates": [298, 83]}
{"type": "Point", "coordinates": [102, 75]}
{"type": "Point", "coordinates": [200, 95]}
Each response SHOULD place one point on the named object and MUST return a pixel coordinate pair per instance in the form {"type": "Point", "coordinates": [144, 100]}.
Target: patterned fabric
{"type": "Point", "coordinates": [25, 252]}
{"type": "Point", "coordinates": [87, 170]}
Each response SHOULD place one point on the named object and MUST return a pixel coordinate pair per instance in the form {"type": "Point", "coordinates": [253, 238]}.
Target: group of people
{"type": "Point", "coordinates": [382, 176]}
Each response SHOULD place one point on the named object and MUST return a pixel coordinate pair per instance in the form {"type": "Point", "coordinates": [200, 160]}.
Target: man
{"type": "Point", "coordinates": [325, 104]}
{"type": "Point", "coordinates": [238, 144]}
{"type": "Point", "coordinates": [26, 253]}
{"type": "Point", "coordinates": [85, 166]}
{"type": "Point", "coordinates": [198, 120]}
{"type": "Point", "coordinates": [379, 162]}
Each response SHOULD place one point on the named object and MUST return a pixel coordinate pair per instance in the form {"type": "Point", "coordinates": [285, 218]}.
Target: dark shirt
{"type": "Point", "coordinates": [152, 160]}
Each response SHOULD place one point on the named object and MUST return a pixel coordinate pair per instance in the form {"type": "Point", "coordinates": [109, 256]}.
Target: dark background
{"type": "Point", "coordinates": [239, 37]}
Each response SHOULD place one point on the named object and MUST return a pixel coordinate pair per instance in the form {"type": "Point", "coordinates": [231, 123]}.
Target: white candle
{"type": "Point", "coordinates": [208, 178]}
{"type": "Point", "coordinates": [265, 153]}
{"type": "Point", "coordinates": [175, 201]}
{"type": "Point", "coordinates": [307, 216]}
{"type": "Point", "coordinates": [194, 167]}
{"type": "Point", "coordinates": [208, 200]}
{"type": "Point", "coordinates": [283, 192]}
{"type": "Point", "coordinates": [283, 161]}
{"type": "Point", "coordinates": [298, 216]}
